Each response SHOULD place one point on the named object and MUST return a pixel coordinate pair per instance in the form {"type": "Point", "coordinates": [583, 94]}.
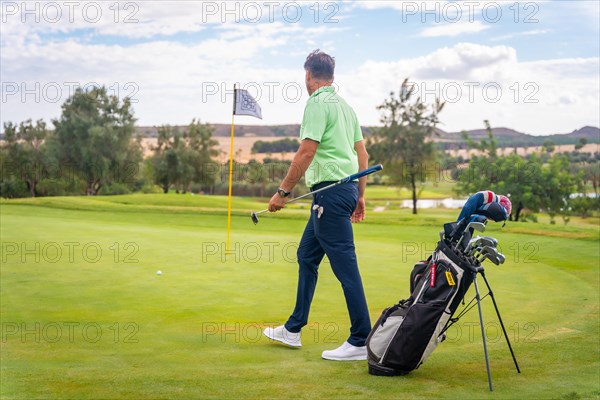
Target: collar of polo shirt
{"type": "Point", "coordinates": [322, 89]}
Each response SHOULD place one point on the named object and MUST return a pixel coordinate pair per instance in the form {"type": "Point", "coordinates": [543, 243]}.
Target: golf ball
{"type": "Point", "coordinates": [159, 272]}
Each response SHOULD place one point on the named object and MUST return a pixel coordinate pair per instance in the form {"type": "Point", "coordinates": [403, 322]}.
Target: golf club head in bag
{"type": "Point", "coordinates": [468, 231]}
{"type": "Point", "coordinates": [479, 242]}
{"type": "Point", "coordinates": [493, 241]}
{"type": "Point", "coordinates": [490, 253]}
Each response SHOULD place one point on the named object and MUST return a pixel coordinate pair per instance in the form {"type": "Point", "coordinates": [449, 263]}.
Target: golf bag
{"type": "Point", "coordinates": [406, 334]}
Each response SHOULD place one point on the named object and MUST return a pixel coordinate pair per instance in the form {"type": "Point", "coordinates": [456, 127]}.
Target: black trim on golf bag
{"type": "Point", "coordinates": [417, 273]}
{"type": "Point", "coordinates": [406, 334]}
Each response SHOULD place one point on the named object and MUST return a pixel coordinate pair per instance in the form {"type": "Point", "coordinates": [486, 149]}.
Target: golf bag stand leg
{"type": "Point", "coordinates": [487, 361]}
{"type": "Point", "coordinates": [491, 293]}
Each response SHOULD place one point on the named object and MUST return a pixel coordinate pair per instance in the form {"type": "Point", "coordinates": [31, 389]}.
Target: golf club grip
{"type": "Point", "coordinates": [360, 174]}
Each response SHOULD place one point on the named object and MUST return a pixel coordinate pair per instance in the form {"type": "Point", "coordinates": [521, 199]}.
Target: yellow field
{"type": "Point", "coordinates": [243, 145]}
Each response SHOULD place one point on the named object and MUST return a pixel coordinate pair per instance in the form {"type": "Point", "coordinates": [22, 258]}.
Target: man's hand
{"type": "Point", "coordinates": [276, 203]}
{"type": "Point", "coordinates": [359, 213]}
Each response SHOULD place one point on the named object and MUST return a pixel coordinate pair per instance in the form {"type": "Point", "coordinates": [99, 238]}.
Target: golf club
{"type": "Point", "coordinates": [491, 253]}
{"type": "Point", "coordinates": [480, 242]}
{"type": "Point", "coordinates": [475, 253]}
{"type": "Point", "coordinates": [474, 242]}
{"type": "Point", "coordinates": [482, 259]}
{"type": "Point", "coordinates": [493, 240]}
{"type": "Point", "coordinates": [478, 226]}
{"type": "Point", "coordinates": [492, 258]}
{"type": "Point", "coordinates": [501, 258]}
{"type": "Point", "coordinates": [360, 174]}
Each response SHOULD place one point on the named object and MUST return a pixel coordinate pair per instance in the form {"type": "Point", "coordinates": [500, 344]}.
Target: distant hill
{"type": "Point", "coordinates": [506, 137]}
{"type": "Point", "coordinates": [591, 133]}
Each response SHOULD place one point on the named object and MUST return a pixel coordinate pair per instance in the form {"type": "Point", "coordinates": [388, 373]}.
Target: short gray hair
{"type": "Point", "coordinates": [320, 65]}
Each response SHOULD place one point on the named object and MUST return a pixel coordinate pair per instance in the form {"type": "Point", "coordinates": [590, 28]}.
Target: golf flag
{"type": "Point", "coordinates": [244, 104]}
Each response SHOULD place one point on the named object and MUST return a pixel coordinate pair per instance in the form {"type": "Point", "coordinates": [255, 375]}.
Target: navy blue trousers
{"type": "Point", "coordinates": [331, 234]}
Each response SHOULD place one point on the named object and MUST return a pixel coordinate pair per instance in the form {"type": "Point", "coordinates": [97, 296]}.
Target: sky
{"type": "Point", "coordinates": [533, 66]}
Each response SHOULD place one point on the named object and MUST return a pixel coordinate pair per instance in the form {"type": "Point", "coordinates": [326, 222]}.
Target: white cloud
{"type": "Point", "coordinates": [463, 61]}
{"type": "Point", "coordinates": [173, 81]}
{"type": "Point", "coordinates": [453, 29]}
{"type": "Point", "coordinates": [533, 32]}
{"type": "Point", "coordinates": [539, 97]}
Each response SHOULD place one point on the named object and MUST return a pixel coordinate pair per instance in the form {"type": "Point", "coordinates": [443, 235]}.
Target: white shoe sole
{"type": "Point", "coordinates": [294, 345]}
{"type": "Point", "coordinates": [351, 358]}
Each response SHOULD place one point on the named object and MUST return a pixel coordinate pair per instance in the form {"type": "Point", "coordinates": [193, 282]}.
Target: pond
{"type": "Point", "coordinates": [435, 203]}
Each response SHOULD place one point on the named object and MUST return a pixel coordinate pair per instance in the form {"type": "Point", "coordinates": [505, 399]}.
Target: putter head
{"type": "Point", "coordinates": [254, 217]}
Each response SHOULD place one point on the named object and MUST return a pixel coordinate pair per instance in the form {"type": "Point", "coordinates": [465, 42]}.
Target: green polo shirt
{"type": "Point", "coordinates": [329, 120]}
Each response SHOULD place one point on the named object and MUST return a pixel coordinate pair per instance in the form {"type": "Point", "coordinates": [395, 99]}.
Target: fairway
{"type": "Point", "coordinates": [86, 316]}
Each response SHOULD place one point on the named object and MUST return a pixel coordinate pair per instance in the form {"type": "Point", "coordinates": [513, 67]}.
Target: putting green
{"type": "Point", "coordinates": [85, 315]}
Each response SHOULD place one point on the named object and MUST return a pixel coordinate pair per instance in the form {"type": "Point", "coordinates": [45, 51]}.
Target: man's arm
{"type": "Point", "coordinates": [300, 163]}
{"type": "Point", "coordinates": [363, 163]}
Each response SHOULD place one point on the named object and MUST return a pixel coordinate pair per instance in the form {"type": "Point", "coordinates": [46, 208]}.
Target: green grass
{"type": "Point", "coordinates": [437, 190]}
{"type": "Point", "coordinates": [194, 331]}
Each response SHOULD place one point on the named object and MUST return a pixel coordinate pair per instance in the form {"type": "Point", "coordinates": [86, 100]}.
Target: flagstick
{"type": "Point", "coordinates": [227, 248]}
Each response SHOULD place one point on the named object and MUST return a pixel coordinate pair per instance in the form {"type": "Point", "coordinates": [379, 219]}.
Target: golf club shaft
{"type": "Point", "coordinates": [347, 179]}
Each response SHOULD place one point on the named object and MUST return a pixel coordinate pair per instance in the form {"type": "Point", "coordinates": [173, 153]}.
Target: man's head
{"type": "Point", "coordinates": [319, 69]}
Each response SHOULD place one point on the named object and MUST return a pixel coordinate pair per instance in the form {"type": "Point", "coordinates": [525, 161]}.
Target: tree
{"type": "Point", "coordinates": [93, 136]}
{"type": "Point", "coordinates": [276, 146]}
{"type": "Point", "coordinates": [202, 148]}
{"type": "Point", "coordinates": [511, 175]}
{"type": "Point", "coordinates": [582, 142]}
{"type": "Point", "coordinates": [27, 156]}
{"type": "Point", "coordinates": [165, 160]}
{"type": "Point", "coordinates": [558, 185]}
{"type": "Point", "coordinates": [404, 144]}
{"type": "Point", "coordinates": [488, 147]}
{"type": "Point", "coordinates": [591, 173]}
{"type": "Point", "coordinates": [539, 182]}
{"type": "Point", "coordinates": [182, 158]}
{"type": "Point", "coordinates": [548, 146]}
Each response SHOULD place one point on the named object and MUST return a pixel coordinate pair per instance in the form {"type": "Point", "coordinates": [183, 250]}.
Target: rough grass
{"type": "Point", "coordinates": [92, 325]}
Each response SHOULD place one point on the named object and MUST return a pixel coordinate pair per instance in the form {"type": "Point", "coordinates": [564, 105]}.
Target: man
{"type": "Point", "coordinates": [331, 148]}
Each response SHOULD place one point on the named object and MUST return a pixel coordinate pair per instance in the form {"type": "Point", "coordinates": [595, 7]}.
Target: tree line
{"type": "Point", "coordinates": [93, 150]}
{"type": "Point", "coordinates": [557, 184]}
{"type": "Point", "coordinates": [277, 146]}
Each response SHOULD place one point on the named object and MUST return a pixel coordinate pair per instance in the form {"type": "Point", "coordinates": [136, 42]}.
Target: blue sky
{"type": "Point", "coordinates": [530, 66]}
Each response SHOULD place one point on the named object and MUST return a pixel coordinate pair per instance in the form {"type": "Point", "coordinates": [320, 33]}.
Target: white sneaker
{"type": "Point", "coordinates": [282, 335]}
{"type": "Point", "coordinates": [346, 352]}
